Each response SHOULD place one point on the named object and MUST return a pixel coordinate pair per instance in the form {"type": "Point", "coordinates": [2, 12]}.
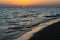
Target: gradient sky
{"type": "Point", "coordinates": [29, 2]}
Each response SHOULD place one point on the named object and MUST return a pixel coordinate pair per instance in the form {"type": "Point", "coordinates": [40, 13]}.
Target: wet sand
{"type": "Point", "coordinates": [51, 32]}
{"type": "Point", "coordinates": [28, 35]}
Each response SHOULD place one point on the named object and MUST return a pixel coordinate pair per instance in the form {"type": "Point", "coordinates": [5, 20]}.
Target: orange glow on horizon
{"type": "Point", "coordinates": [24, 2]}
{"type": "Point", "coordinates": [29, 2]}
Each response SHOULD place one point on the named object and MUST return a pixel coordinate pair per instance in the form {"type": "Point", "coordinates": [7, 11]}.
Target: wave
{"type": "Point", "coordinates": [24, 19]}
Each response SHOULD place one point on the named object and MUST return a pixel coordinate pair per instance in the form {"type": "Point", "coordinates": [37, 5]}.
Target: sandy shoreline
{"type": "Point", "coordinates": [36, 29]}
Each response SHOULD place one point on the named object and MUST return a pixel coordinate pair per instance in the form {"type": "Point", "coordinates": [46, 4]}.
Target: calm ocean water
{"type": "Point", "coordinates": [14, 19]}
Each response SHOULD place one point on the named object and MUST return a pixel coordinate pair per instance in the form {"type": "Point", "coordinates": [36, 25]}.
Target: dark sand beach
{"type": "Point", "coordinates": [51, 32]}
{"type": "Point", "coordinates": [45, 31]}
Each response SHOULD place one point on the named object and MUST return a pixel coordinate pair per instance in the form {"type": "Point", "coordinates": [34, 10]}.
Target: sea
{"type": "Point", "coordinates": [15, 22]}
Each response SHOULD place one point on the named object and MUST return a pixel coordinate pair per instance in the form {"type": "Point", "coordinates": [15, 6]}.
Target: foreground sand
{"type": "Point", "coordinates": [36, 29]}
{"type": "Point", "coordinates": [51, 32]}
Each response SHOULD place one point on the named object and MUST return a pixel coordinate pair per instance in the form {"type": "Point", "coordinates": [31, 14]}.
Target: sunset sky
{"type": "Point", "coordinates": [28, 2]}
